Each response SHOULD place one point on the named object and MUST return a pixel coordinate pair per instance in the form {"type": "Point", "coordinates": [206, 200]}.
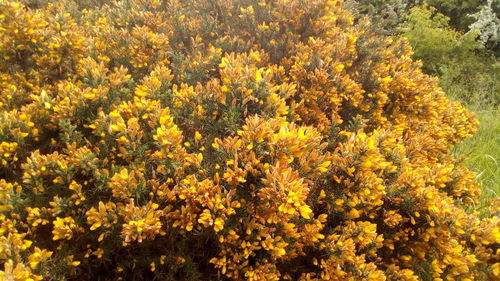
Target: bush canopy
{"type": "Point", "coordinates": [228, 140]}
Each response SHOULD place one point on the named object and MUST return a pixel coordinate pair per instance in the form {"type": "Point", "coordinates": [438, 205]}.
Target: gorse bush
{"type": "Point", "coordinates": [228, 140]}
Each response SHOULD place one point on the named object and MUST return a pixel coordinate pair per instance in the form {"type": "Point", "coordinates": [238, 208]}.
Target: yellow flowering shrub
{"type": "Point", "coordinates": [228, 140]}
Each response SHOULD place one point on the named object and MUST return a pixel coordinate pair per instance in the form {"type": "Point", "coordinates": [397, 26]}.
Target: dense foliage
{"type": "Point", "coordinates": [457, 41]}
{"type": "Point", "coordinates": [460, 11]}
{"type": "Point", "coordinates": [228, 140]}
{"type": "Point", "coordinates": [487, 24]}
{"type": "Point", "coordinates": [385, 15]}
{"type": "Point", "coordinates": [476, 16]}
{"type": "Point", "coordinates": [467, 71]}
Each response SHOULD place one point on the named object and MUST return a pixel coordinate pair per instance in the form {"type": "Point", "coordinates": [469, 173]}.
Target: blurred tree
{"type": "Point", "coordinates": [459, 11]}
{"type": "Point", "coordinates": [488, 25]}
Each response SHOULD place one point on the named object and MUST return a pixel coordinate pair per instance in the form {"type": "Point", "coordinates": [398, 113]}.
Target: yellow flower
{"type": "Point", "coordinates": [197, 136]}
{"type": "Point", "coordinates": [63, 228]}
{"type": "Point", "coordinates": [305, 211]}
{"type": "Point", "coordinates": [218, 224]}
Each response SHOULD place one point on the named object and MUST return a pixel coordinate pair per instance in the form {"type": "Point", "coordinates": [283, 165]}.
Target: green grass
{"type": "Point", "coordinates": [482, 153]}
{"type": "Point", "coordinates": [475, 84]}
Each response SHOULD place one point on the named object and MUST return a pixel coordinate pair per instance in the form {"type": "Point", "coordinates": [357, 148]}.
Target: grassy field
{"type": "Point", "coordinates": [479, 91]}
{"type": "Point", "coordinates": [482, 152]}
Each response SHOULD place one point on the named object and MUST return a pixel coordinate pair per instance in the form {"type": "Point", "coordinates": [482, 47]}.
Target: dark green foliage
{"type": "Point", "coordinates": [459, 10]}
{"type": "Point", "coordinates": [468, 71]}
{"type": "Point", "coordinates": [385, 15]}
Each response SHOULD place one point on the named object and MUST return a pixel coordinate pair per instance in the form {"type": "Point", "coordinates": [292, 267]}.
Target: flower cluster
{"type": "Point", "coordinates": [228, 140]}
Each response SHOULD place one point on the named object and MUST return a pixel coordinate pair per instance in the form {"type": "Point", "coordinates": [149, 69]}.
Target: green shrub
{"type": "Point", "coordinates": [460, 11]}
{"type": "Point", "coordinates": [435, 42]}
{"type": "Point", "coordinates": [468, 72]}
